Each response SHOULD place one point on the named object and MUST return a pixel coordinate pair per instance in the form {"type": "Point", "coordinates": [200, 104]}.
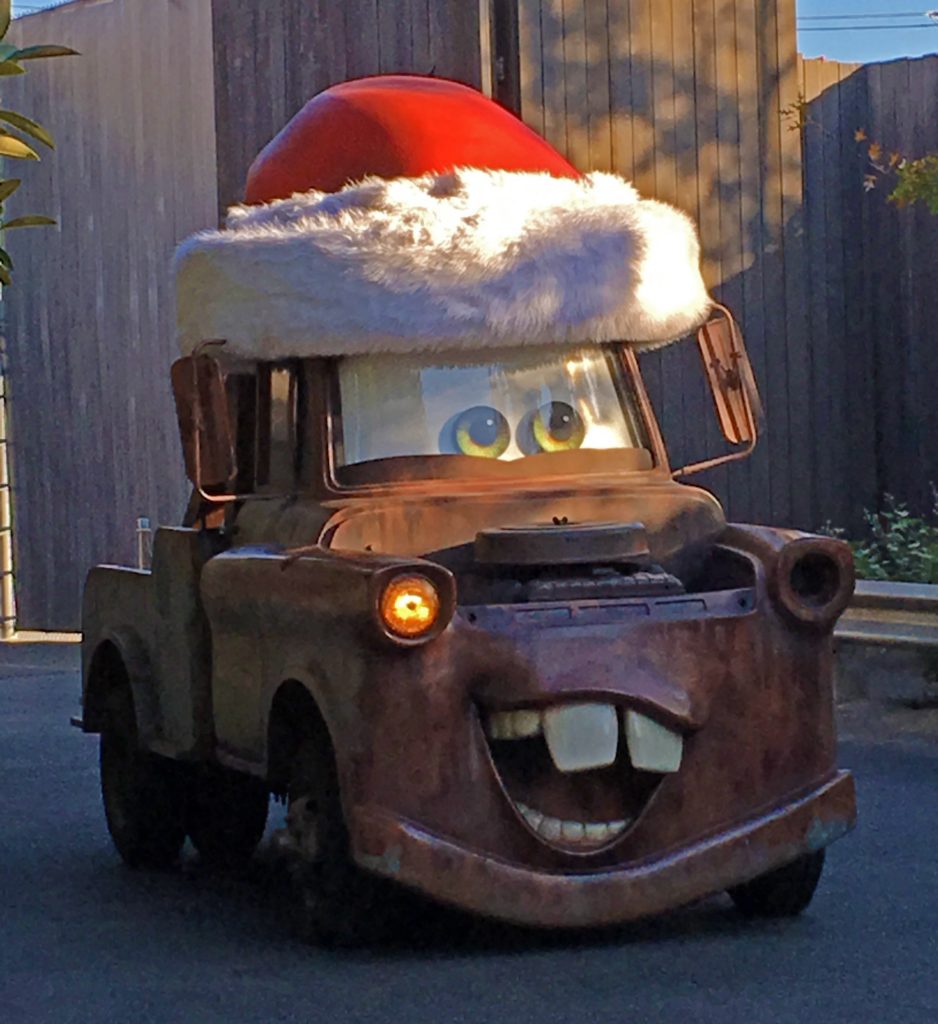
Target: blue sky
{"type": "Point", "coordinates": [846, 42]}
{"type": "Point", "coordinates": [28, 6]}
{"type": "Point", "coordinates": [849, 43]}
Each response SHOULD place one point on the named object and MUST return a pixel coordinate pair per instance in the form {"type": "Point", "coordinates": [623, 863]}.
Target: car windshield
{"type": "Point", "coordinates": [496, 406]}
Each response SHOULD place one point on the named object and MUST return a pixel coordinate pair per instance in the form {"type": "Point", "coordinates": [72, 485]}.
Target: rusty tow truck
{"type": "Point", "coordinates": [438, 587]}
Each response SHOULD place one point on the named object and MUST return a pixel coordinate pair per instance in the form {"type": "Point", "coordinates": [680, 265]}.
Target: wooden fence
{"type": "Point", "coordinates": [872, 273]}
{"type": "Point", "coordinates": [274, 55]}
{"type": "Point", "coordinates": [90, 321]}
{"type": "Point", "coordinates": [683, 97]}
{"type": "Point", "coordinates": [692, 99]}
{"type": "Point", "coordinates": [90, 316]}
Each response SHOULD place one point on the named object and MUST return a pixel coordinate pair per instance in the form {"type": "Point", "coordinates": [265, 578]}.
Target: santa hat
{"type": "Point", "coordinates": [401, 213]}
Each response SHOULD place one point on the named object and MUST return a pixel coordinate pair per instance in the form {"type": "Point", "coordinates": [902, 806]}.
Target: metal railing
{"type": "Point", "coordinates": [891, 615]}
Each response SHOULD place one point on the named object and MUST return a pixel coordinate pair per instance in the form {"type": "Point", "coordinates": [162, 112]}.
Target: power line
{"type": "Point", "coordinates": [867, 28]}
{"type": "Point", "coordinates": [857, 17]}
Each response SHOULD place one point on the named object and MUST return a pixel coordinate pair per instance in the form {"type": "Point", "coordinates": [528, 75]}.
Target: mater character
{"type": "Point", "coordinates": [438, 587]}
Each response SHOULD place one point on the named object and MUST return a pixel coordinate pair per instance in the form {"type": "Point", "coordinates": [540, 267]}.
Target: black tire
{"type": "Point", "coordinates": [784, 892]}
{"type": "Point", "coordinates": [335, 902]}
{"type": "Point", "coordinates": [143, 794]}
{"type": "Point", "coordinates": [225, 816]}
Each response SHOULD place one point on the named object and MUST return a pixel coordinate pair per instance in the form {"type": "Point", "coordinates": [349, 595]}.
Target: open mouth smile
{"type": "Point", "coordinates": [580, 774]}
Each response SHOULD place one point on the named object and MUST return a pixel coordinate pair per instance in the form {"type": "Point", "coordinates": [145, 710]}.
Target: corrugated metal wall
{"type": "Point", "coordinates": [90, 315]}
{"type": "Point", "coordinates": [684, 98]}
{"type": "Point", "coordinates": [873, 286]}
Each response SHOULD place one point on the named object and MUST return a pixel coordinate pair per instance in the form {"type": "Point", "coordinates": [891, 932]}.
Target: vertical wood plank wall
{"type": "Point", "coordinates": [873, 286]}
{"type": "Point", "coordinates": [684, 97]}
{"type": "Point", "coordinates": [272, 57]}
{"type": "Point", "coordinates": [90, 316]}
{"type": "Point", "coordinates": [688, 98]}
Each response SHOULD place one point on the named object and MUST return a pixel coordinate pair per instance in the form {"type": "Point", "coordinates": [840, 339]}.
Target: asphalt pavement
{"type": "Point", "coordinates": [82, 939]}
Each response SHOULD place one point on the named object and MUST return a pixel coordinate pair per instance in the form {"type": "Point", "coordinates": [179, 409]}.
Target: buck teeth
{"type": "Point", "coordinates": [581, 737]}
{"type": "Point", "coordinates": [652, 746]}
{"type": "Point", "coordinates": [574, 832]}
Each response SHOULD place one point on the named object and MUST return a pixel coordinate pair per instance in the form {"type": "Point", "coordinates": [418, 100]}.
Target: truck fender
{"type": "Point", "coordinates": [120, 658]}
{"type": "Point", "coordinates": [294, 715]}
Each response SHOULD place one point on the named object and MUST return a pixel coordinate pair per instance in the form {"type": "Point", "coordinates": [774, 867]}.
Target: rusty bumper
{"type": "Point", "coordinates": [452, 874]}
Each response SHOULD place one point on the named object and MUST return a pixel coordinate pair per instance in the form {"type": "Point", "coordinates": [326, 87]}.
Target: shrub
{"type": "Point", "coordinates": [913, 179]}
{"type": "Point", "coordinates": [899, 546]}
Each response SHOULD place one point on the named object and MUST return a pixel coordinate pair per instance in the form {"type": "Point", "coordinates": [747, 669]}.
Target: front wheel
{"type": "Point", "coordinates": [337, 904]}
{"type": "Point", "coordinates": [143, 794]}
{"type": "Point", "coordinates": [784, 892]}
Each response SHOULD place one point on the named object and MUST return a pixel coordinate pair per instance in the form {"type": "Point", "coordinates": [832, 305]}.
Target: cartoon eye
{"type": "Point", "coordinates": [558, 427]}
{"type": "Point", "coordinates": [482, 431]}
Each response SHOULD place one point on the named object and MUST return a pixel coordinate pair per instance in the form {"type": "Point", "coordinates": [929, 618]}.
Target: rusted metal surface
{"type": "Point", "coordinates": [732, 382]}
{"type": "Point", "coordinates": [409, 726]}
{"type": "Point", "coordinates": [566, 544]}
{"type": "Point", "coordinates": [719, 642]}
{"type": "Point", "coordinates": [202, 411]}
{"type": "Point", "coordinates": [674, 517]}
{"type": "Point", "coordinates": [815, 600]}
{"type": "Point", "coordinates": [459, 875]}
{"type": "Point", "coordinates": [155, 621]}
{"type": "Point", "coordinates": [891, 615]}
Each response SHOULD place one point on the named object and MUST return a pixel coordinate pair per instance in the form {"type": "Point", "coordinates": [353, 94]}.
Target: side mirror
{"type": "Point", "coordinates": [202, 410]}
{"type": "Point", "coordinates": [730, 376]}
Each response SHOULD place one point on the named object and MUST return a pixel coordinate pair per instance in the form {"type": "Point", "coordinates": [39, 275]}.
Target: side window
{"type": "Point", "coordinates": [242, 404]}
{"type": "Point", "coordinates": [276, 451]}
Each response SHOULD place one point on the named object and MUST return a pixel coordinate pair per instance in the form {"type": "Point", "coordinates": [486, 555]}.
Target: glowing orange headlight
{"type": "Point", "coordinates": [410, 606]}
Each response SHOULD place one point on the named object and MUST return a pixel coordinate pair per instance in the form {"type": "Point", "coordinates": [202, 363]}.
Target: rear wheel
{"type": "Point", "coordinates": [336, 902]}
{"type": "Point", "coordinates": [225, 816]}
{"type": "Point", "coordinates": [143, 794]}
{"type": "Point", "coordinates": [784, 892]}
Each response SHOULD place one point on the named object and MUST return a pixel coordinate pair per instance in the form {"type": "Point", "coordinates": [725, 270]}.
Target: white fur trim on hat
{"type": "Point", "coordinates": [468, 259]}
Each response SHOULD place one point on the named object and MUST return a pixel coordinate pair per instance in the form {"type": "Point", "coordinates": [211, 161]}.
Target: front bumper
{"type": "Point", "coordinates": [452, 874]}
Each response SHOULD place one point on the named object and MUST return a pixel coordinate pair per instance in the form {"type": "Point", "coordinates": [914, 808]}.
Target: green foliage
{"type": "Point", "coordinates": [916, 179]}
{"type": "Point", "coordinates": [898, 546]}
{"type": "Point", "coordinates": [918, 182]}
{"type": "Point", "coordinates": [28, 126]}
{"type": "Point", "coordinates": [11, 144]}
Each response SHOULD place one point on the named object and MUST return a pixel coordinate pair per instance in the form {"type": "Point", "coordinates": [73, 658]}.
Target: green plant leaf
{"type": "Point", "coordinates": [5, 259]}
{"type": "Point", "coordinates": [7, 67]}
{"type": "Point", "coordinates": [6, 49]}
{"type": "Point", "coordinates": [900, 545]}
{"type": "Point", "coordinates": [31, 221]}
{"type": "Point", "coordinates": [8, 187]}
{"type": "Point", "coordinates": [37, 52]}
{"type": "Point", "coordinates": [10, 145]}
{"type": "Point", "coordinates": [6, 14]}
{"type": "Point", "coordinates": [27, 125]}
{"type": "Point", "coordinates": [5, 276]}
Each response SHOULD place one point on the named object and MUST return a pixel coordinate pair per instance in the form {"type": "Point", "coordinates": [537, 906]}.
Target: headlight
{"type": "Point", "coordinates": [814, 579]}
{"type": "Point", "coordinates": [409, 606]}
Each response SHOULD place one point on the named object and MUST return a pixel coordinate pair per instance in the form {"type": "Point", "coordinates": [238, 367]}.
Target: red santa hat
{"type": "Point", "coordinates": [400, 213]}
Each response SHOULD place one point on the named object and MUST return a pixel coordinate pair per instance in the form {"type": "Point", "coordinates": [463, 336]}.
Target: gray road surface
{"type": "Point", "coordinates": [83, 939]}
